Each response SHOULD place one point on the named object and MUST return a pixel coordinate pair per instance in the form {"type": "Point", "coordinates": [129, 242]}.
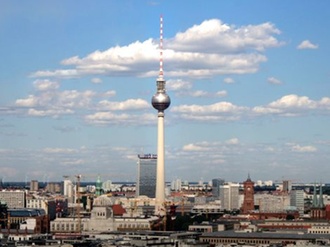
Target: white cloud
{"type": "Point", "coordinates": [306, 44]}
{"type": "Point", "coordinates": [73, 162]}
{"type": "Point", "coordinates": [109, 118]}
{"type": "Point", "coordinates": [194, 147]}
{"type": "Point", "coordinates": [230, 50]}
{"type": "Point", "coordinates": [273, 80]}
{"type": "Point", "coordinates": [198, 93]}
{"type": "Point", "coordinates": [222, 38]}
{"type": "Point", "coordinates": [178, 85]}
{"type": "Point", "coordinates": [130, 104]}
{"type": "Point", "coordinates": [228, 80]}
{"type": "Point", "coordinates": [294, 101]}
{"type": "Point", "coordinates": [96, 80]}
{"type": "Point", "coordinates": [221, 93]}
{"type": "Point", "coordinates": [52, 112]}
{"type": "Point", "coordinates": [43, 85]}
{"type": "Point", "coordinates": [221, 111]}
{"type": "Point", "coordinates": [204, 94]}
{"type": "Point", "coordinates": [65, 73]}
{"type": "Point", "coordinates": [233, 141]}
{"type": "Point", "coordinates": [303, 149]}
{"type": "Point", "coordinates": [49, 101]}
{"type": "Point", "coordinates": [109, 93]}
{"type": "Point", "coordinates": [30, 101]}
{"type": "Point", "coordinates": [59, 150]}
{"type": "Point", "coordinates": [289, 105]}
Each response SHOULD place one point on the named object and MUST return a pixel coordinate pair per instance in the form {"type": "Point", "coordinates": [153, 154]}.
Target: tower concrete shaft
{"type": "Point", "coordinates": [160, 101]}
{"type": "Point", "coordinates": [160, 180]}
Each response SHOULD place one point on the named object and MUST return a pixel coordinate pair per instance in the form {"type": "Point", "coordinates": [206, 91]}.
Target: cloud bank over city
{"type": "Point", "coordinates": [248, 95]}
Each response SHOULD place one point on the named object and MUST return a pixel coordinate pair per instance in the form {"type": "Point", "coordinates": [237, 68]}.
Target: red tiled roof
{"type": "Point", "coordinates": [118, 209]}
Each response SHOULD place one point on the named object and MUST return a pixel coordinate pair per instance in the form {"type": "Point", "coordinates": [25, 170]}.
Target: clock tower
{"type": "Point", "coordinates": [248, 203]}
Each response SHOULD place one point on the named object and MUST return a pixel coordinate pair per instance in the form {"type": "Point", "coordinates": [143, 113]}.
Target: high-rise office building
{"type": "Point", "coordinates": [68, 189]}
{"type": "Point", "coordinates": [287, 186]}
{"type": "Point", "coordinates": [176, 185]}
{"type": "Point", "coordinates": [146, 180]}
{"type": "Point", "coordinates": [229, 196]}
{"type": "Point", "coordinates": [34, 185]}
{"type": "Point", "coordinates": [297, 200]}
{"type": "Point", "coordinates": [216, 182]}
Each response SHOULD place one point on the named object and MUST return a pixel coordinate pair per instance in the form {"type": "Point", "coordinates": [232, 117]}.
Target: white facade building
{"type": "Point", "coordinates": [297, 200]}
{"type": "Point", "coordinates": [272, 203]}
{"type": "Point", "coordinates": [229, 196]}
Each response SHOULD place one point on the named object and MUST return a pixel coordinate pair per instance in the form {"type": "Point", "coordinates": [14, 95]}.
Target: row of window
{"type": "Point", "coordinates": [65, 227]}
{"type": "Point", "coordinates": [230, 240]}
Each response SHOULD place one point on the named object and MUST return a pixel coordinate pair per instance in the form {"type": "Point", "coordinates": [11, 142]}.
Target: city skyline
{"type": "Point", "coordinates": [249, 87]}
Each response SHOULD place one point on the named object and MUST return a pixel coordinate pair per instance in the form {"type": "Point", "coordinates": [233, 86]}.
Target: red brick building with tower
{"type": "Point", "coordinates": [248, 202]}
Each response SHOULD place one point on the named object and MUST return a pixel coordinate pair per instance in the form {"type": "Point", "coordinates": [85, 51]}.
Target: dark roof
{"type": "Point", "coordinates": [26, 212]}
{"type": "Point", "coordinates": [263, 235]}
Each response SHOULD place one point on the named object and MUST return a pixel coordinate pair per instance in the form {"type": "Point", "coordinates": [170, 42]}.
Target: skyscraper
{"type": "Point", "coordinates": [297, 200]}
{"type": "Point", "coordinates": [160, 101]}
{"type": "Point", "coordinates": [229, 194]}
{"type": "Point", "coordinates": [146, 180]}
{"type": "Point", "coordinates": [216, 182]}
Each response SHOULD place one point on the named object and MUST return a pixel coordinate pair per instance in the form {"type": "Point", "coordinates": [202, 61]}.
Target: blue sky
{"type": "Point", "coordinates": [248, 81]}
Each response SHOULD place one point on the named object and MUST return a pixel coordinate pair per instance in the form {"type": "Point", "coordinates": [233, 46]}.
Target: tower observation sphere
{"type": "Point", "coordinates": [160, 101]}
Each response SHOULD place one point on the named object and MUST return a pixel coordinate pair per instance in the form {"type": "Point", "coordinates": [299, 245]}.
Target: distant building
{"type": "Point", "coordinates": [216, 182]}
{"type": "Point", "coordinates": [20, 215]}
{"type": "Point", "coordinates": [297, 200]}
{"type": "Point", "coordinates": [53, 187]}
{"type": "Point", "coordinates": [105, 217]}
{"type": "Point", "coordinates": [68, 189]}
{"type": "Point", "coordinates": [34, 185]}
{"type": "Point", "coordinates": [48, 205]}
{"type": "Point", "coordinates": [229, 196]}
{"type": "Point", "coordinates": [176, 185]}
{"type": "Point", "coordinates": [13, 198]}
{"type": "Point", "coordinates": [272, 203]}
{"type": "Point", "coordinates": [146, 180]}
{"type": "Point", "coordinates": [318, 209]}
{"type": "Point", "coordinates": [287, 186]}
{"type": "Point", "coordinates": [248, 203]}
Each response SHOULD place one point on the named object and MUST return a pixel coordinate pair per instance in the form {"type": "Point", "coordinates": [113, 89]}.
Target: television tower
{"type": "Point", "coordinates": [160, 101]}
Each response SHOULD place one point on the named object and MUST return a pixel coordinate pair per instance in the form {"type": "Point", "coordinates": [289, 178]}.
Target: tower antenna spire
{"type": "Point", "coordinates": [161, 73]}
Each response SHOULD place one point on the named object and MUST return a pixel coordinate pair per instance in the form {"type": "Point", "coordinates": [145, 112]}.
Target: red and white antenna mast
{"type": "Point", "coordinates": [161, 73]}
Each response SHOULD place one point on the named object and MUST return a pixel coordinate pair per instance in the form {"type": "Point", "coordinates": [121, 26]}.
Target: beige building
{"type": "Point", "coordinates": [103, 218]}
{"type": "Point", "coordinates": [34, 185]}
{"type": "Point", "coordinates": [13, 198]}
{"type": "Point", "coordinates": [49, 205]}
{"type": "Point", "coordinates": [272, 203]}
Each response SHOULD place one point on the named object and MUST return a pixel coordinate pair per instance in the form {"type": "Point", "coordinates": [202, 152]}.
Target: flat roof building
{"type": "Point", "coordinates": [146, 179]}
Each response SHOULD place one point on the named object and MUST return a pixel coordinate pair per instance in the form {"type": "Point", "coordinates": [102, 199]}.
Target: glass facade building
{"type": "Point", "coordinates": [146, 180]}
